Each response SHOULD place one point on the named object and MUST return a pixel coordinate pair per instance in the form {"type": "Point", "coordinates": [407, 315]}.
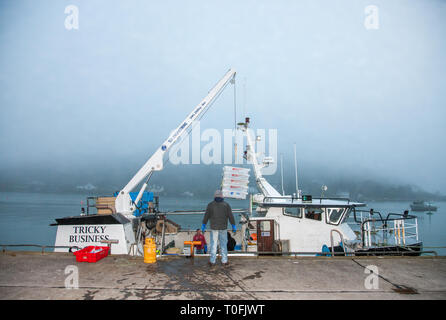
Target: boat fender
{"type": "Point", "coordinates": [325, 249]}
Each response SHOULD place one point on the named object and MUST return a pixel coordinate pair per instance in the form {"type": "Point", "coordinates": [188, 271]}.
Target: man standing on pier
{"type": "Point", "coordinates": [219, 212]}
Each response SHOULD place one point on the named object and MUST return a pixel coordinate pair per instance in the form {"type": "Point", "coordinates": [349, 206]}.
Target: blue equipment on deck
{"type": "Point", "coordinates": [143, 205]}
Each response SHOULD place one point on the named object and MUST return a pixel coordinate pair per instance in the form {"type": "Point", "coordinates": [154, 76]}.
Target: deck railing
{"type": "Point", "coordinates": [316, 200]}
{"type": "Point", "coordinates": [42, 247]}
{"type": "Point", "coordinates": [394, 229]}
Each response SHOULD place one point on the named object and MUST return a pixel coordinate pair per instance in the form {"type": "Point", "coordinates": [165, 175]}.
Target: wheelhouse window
{"type": "Point", "coordinates": [293, 212]}
{"type": "Point", "coordinates": [346, 215]}
{"type": "Point", "coordinates": [314, 213]}
{"type": "Point", "coordinates": [334, 215]}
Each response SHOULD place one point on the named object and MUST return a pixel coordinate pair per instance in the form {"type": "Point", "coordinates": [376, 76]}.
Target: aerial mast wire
{"type": "Point", "coordinates": [235, 119]}
{"type": "Point", "coordinates": [295, 170]}
{"type": "Point", "coordinates": [281, 169]}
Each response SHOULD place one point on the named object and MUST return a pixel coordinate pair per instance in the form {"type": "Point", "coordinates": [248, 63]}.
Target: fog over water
{"type": "Point", "coordinates": [89, 106]}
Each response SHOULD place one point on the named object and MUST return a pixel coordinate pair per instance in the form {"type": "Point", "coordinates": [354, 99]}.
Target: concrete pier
{"type": "Point", "coordinates": [33, 275]}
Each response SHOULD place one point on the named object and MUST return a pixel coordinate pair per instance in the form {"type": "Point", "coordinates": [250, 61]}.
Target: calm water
{"type": "Point", "coordinates": [26, 217]}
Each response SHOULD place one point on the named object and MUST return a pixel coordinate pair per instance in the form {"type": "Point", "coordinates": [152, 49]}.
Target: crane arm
{"type": "Point", "coordinates": [123, 202]}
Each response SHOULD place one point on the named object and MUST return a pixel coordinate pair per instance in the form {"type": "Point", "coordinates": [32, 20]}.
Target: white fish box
{"type": "Point", "coordinates": [233, 182]}
{"type": "Point", "coordinates": [251, 248]}
{"type": "Point", "coordinates": [234, 194]}
{"type": "Point", "coordinates": [235, 188]}
{"type": "Point", "coordinates": [235, 176]}
{"type": "Point", "coordinates": [236, 170]}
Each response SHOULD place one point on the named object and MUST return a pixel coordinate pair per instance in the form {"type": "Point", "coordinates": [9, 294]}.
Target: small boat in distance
{"type": "Point", "coordinates": [422, 206]}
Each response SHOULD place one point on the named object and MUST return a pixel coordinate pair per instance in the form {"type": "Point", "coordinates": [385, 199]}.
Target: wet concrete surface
{"type": "Point", "coordinates": [32, 275]}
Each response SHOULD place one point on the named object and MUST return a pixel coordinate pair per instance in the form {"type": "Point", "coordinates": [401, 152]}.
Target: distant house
{"type": "Point", "coordinates": [87, 187]}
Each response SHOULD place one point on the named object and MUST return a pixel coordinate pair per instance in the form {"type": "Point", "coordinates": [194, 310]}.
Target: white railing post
{"type": "Point", "coordinates": [416, 228]}
{"type": "Point", "coordinates": [394, 231]}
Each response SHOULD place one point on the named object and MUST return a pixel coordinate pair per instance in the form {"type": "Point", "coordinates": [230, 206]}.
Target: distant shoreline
{"type": "Point", "coordinates": [181, 195]}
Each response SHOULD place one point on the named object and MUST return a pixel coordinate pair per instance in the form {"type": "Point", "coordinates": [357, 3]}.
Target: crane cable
{"type": "Point", "coordinates": [194, 123]}
{"type": "Point", "coordinates": [235, 121]}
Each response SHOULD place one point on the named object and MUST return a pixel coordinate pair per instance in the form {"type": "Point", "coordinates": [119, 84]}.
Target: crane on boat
{"type": "Point", "coordinates": [124, 203]}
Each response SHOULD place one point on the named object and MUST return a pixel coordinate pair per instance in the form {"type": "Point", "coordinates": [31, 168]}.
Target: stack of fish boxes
{"type": "Point", "coordinates": [235, 182]}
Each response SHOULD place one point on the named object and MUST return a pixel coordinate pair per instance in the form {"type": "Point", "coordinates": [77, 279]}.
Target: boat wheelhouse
{"type": "Point", "coordinates": [300, 226]}
{"type": "Point", "coordinates": [327, 226]}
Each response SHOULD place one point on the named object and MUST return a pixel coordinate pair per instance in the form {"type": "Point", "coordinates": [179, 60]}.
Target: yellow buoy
{"type": "Point", "coordinates": [150, 251]}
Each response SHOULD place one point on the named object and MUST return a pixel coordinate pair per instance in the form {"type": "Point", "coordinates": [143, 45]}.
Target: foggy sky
{"type": "Point", "coordinates": [356, 101]}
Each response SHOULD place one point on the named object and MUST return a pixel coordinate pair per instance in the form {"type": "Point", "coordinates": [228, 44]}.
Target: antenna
{"type": "Point", "coordinates": [244, 97]}
{"type": "Point", "coordinates": [323, 188]}
{"type": "Point", "coordinates": [295, 170]}
{"type": "Point", "coordinates": [281, 169]}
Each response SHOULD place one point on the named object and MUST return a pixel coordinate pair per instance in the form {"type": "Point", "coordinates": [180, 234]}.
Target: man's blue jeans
{"type": "Point", "coordinates": [222, 237]}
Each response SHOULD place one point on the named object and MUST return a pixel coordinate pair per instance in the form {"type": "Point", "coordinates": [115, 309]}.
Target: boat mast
{"type": "Point", "coordinates": [281, 172]}
{"type": "Point", "coordinates": [265, 188]}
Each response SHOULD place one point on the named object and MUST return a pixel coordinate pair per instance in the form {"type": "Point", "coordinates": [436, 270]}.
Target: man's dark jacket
{"type": "Point", "coordinates": [219, 213]}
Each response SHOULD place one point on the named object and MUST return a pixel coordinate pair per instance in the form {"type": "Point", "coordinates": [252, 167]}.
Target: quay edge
{"type": "Point", "coordinates": [33, 275]}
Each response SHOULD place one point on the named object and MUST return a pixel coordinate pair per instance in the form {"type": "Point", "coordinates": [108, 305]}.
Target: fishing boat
{"type": "Point", "coordinates": [294, 224]}
{"type": "Point", "coordinates": [422, 206]}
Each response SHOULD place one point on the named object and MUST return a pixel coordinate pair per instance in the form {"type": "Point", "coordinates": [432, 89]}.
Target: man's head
{"type": "Point", "coordinates": [198, 231]}
{"type": "Point", "coordinates": [218, 196]}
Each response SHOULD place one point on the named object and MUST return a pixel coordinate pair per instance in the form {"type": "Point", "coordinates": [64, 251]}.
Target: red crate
{"type": "Point", "coordinates": [86, 254]}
